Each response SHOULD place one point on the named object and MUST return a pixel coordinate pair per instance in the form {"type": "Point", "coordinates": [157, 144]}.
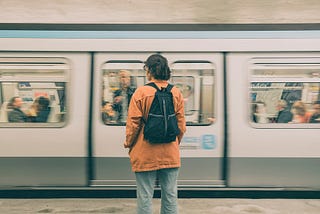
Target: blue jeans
{"type": "Point", "coordinates": [169, 194]}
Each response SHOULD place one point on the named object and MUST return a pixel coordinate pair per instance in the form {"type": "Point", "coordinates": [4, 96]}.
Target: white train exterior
{"type": "Point", "coordinates": [221, 73]}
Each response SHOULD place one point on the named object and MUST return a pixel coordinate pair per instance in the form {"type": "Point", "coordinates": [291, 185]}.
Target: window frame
{"type": "Point", "coordinates": [269, 77]}
{"type": "Point", "coordinates": [35, 65]}
{"type": "Point", "coordinates": [194, 67]}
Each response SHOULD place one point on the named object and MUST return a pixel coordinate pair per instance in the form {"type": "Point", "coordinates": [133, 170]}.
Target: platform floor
{"type": "Point", "coordinates": [186, 206]}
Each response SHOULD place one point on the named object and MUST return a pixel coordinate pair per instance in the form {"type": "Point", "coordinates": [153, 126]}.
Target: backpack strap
{"type": "Point", "coordinates": [152, 84]}
{"type": "Point", "coordinates": [169, 87]}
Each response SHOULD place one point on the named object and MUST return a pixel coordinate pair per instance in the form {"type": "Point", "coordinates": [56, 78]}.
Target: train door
{"type": "Point", "coordinates": [200, 79]}
{"type": "Point", "coordinates": [273, 140]}
{"type": "Point", "coordinates": [43, 121]}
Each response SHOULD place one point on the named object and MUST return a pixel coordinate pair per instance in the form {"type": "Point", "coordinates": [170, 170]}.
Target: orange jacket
{"type": "Point", "coordinates": [302, 118]}
{"type": "Point", "coordinates": [143, 155]}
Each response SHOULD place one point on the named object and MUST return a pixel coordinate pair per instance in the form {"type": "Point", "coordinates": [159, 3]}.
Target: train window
{"type": "Point", "coordinates": [33, 92]}
{"type": "Point", "coordinates": [196, 82]}
{"type": "Point", "coordinates": [193, 78]}
{"type": "Point", "coordinates": [120, 79]}
{"type": "Point", "coordinates": [285, 93]}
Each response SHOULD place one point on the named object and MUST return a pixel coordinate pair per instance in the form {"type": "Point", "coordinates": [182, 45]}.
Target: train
{"type": "Point", "coordinates": [221, 73]}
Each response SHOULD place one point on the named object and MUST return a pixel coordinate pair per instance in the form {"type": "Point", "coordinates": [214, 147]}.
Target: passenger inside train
{"type": "Point", "coordinates": [32, 105]}
{"type": "Point", "coordinates": [40, 110]}
{"type": "Point", "coordinates": [15, 114]}
{"type": "Point", "coordinates": [290, 108]}
{"type": "Point", "coordinates": [122, 96]}
{"type": "Point", "coordinates": [279, 99]}
{"type": "Point", "coordinates": [284, 113]}
{"type": "Point", "coordinates": [315, 117]}
{"type": "Point", "coordinates": [300, 112]}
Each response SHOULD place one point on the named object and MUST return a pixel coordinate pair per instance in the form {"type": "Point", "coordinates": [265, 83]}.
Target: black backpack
{"type": "Point", "coordinates": [161, 125]}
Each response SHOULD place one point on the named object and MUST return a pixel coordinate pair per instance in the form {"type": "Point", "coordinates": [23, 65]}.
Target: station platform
{"type": "Point", "coordinates": [186, 206]}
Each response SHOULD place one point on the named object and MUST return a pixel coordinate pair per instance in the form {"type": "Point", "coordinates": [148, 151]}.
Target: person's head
{"type": "Point", "coordinates": [15, 102]}
{"type": "Point", "coordinates": [157, 67]}
{"type": "Point", "coordinates": [298, 108]}
{"type": "Point", "coordinates": [125, 78]}
{"type": "Point", "coordinates": [282, 104]}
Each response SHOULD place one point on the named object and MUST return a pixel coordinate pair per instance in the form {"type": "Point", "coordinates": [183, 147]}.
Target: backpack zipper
{"type": "Point", "coordinates": [165, 117]}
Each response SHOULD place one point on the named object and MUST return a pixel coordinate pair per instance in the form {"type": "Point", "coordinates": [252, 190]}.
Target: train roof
{"type": "Point", "coordinates": [159, 31]}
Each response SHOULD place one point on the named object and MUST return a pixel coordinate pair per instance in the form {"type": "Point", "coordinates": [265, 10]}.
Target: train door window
{"type": "Point", "coordinates": [120, 79]}
{"type": "Point", "coordinates": [33, 92]}
{"type": "Point", "coordinates": [196, 81]}
{"type": "Point", "coordinates": [285, 92]}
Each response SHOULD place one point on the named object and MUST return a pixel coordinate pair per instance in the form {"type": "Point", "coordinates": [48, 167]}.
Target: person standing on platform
{"type": "Point", "coordinates": [151, 161]}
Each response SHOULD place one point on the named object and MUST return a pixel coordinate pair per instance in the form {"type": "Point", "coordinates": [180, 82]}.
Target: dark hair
{"type": "Point", "coordinates": [158, 67]}
{"type": "Point", "coordinates": [11, 102]}
{"type": "Point", "coordinates": [43, 103]}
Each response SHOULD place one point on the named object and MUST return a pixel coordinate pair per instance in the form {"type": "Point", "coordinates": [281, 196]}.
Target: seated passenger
{"type": "Point", "coordinates": [315, 117]}
{"type": "Point", "coordinates": [300, 114]}
{"type": "Point", "coordinates": [40, 110]}
{"type": "Point", "coordinates": [43, 109]}
{"type": "Point", "coordinates": [15, 114]}
{"type": "Point", "coordinates": [284, 114]}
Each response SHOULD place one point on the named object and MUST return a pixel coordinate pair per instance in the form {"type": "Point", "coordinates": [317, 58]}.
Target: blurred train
{"type": "Point", "coordinates": [221, 74]}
